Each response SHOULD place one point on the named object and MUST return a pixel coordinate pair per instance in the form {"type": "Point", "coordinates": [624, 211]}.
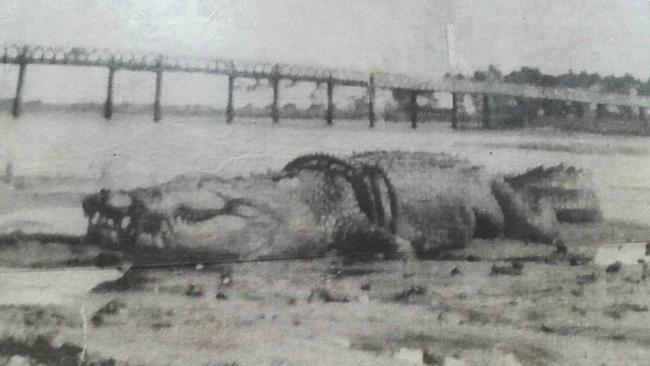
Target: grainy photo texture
{"type": "Point", "coordinates": [333, 182]}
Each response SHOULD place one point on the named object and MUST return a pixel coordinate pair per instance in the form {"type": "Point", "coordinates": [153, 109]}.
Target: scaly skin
{"type": "Point", "coordinates": [331, 165]}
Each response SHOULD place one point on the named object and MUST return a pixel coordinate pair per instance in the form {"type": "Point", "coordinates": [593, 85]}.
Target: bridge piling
{"type": "Point", "coordinates": [371, 101]}
{"type": "Point", "coordinates": [330, 101]}
{"type": "Point", "coordinates": [108, 106]}
{"type": "Point", "coordinates": [230, 109]}
{"type": "Point", "coordinates": [643, 114]}
{"type": "Point", "coordinates": [580, 109]}
{"type": "Point", "coordinates": [487, 112]}
{"type": "Point", "coordinates": [413, 106]}
{"type": "Point", "coordinates": [157, 108]}
{"type": "Point", "coordinates": [601, 110]}
{"type": "Point", "coordinates": [275, 84]}
{"type": "Point", "coordinates": [643, 117]}
{"type": "Point", "coordinates": [16, 108]}
{"type": "Point", "coordinates": [455, 106]}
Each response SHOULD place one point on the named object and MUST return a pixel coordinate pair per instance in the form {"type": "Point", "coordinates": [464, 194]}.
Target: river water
{"type": "Point", "coordinates": [131, 150]}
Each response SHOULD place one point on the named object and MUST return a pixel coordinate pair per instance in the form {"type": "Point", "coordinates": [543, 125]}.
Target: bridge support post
{"type": "Point", "coordinates": [275, 84]}
{"type": "Point", "coordinates": [580, 109]}
{"type": "Point", "coordinates": [108, 106]}
{"type": "Point", "coordinates": [16, 108]}
{"type": "Point", "coordinates": [643, 117]}
{"type": "Point", "coordinates": [601, 110]}
{"type": "Point", "coordinates": [157, 108]}
{"type": "Point", "coordinates": [487, 112]}
{"type": "Point", "coordinates": [230, 109]}
{"type": "Point", "coordinates": [330, 102]}
{"type": "Point", "coordinates": [522, 109]}
{"type": "Point", "coordinates": [413, 106]}
{"type": "Point", "coordinates": [371, 101]}
{"type": "Point", "coordinates": [9, 172]}
{"type": "Point", "coordinates": [456, 102]}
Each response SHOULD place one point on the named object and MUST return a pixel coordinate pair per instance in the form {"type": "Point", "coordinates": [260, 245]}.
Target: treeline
{"type": "Point", "coordinates": [584, 80]}
{"type": "Point", "coordinates": [516, 111]}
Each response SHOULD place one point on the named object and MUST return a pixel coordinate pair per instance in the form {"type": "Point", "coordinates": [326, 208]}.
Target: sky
{"type": "Point", "coordinates": [421, 37]}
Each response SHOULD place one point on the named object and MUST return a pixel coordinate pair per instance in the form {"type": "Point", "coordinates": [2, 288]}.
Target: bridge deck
{"type": "Point", "coordinates": [76, 56]}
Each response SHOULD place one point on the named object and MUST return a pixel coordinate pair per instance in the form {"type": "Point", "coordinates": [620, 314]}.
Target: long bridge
{"type": "Point", "coordinates": [113, 60]}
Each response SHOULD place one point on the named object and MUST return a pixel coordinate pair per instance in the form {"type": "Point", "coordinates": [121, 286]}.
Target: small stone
{"type": "Point", "coordinates": [546, 329]}
{"type": "Point", "coordinates": [560, 247]}
{"type": "Point", "coordinates": [429, 358]}
{"type": "Point", "coordinates": [226, 281]}
{"type": "Point", "coordinates": [513, 270]}
{"type": "Point", "coordinates": [455, 272]}
{"type": "Point", "coordinates": [408, 293]}
{"type": "Point", "coordinates": [365, 287]}
{"type": "Point", "coordinates": [221, 296]}
{"type": "Point", "coordinates": [161, 325]}
{"type": "Point", "coordinates": [194, 290]}
{"type": "Point", "coordinates": [614, 267]}
{"type": "Point", "coordinates": [325, 296]}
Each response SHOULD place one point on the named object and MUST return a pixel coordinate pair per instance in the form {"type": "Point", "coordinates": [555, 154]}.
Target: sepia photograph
{"type": "Point", "coordinates": [333, 182]}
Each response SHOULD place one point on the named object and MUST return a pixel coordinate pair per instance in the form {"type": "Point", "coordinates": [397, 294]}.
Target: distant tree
{"type": "Point", "coordinates": [527, 75]}
{"type": "Point", "coordinates": [644, 88]}
{"type": "Point", "coordinates": [620, 85]}
{"type": "Point", "coordinates": [491, 74]}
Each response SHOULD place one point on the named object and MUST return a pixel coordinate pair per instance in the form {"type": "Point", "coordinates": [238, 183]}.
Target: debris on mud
{"type": "Point", "coordinates": [618, 311]}
{"type": "Point", "coordinates": [614, 267]}
{"type": "Point", "coordinates": [515, 269]}
{"type": "Point", "coordinates": [194, 290]}
{"type": "Point", "coordinates": [406, 295]}
{"type": "Point", "coordinates": [586, 279]}
{"type": "Point", "coordinates": [431, 358]}
{"type": "Point", "coordinates": [132, 280]}
{"type": "Point", "coordinates": [111, 308]}
{"type": "Point", "coordinates": [325, 296]}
